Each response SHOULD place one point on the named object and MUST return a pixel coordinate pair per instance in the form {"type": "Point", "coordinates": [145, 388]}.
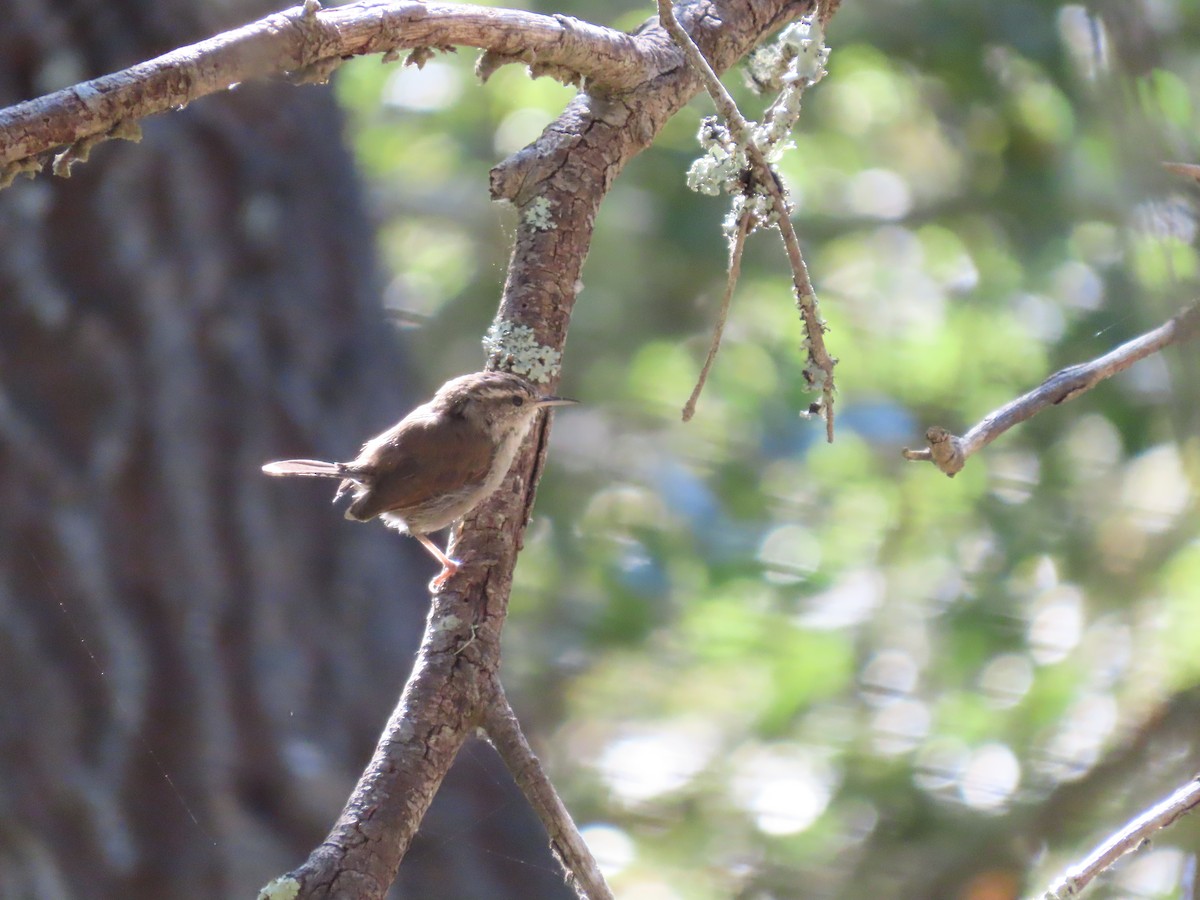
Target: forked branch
{"type": "Point", "coordinates": [819, 372]}
{"type": "Point", "coordinates": [557, 185]}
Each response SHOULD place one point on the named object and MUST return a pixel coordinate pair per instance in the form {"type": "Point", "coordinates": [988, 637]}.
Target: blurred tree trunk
{"type": "Point", "coordinates": [196, 660]}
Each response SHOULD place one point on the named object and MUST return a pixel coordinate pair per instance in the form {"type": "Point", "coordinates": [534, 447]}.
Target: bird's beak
{"type": "Point", "coordinates": [555, 401]}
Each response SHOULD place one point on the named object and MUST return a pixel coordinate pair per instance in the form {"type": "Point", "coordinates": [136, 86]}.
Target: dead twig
{"type": "Point", "coordinates": [819, 372]}
{"type": "Point", "coordinates": [950, 452]}
{"type": "Point", "coordinates": [504, 730]}
{"type": "Point", "coordinates": [735, 269]}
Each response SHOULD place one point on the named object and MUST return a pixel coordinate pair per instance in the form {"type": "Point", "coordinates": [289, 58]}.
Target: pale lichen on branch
{"type": "Point", "coordinates": [739, 159]}
{"type": "Point", "coordinates": [516, 348]}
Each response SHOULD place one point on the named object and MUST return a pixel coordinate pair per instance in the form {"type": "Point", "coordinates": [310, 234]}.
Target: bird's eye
{"type": "Point", "coordinates": [518, 400]}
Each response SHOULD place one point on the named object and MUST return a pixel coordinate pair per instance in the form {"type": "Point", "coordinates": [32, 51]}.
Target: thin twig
{"type": "Point", "coordinates": [735, 268]}
{"type": "Point", "coordinates": [723, 100]}
{"type": "Point", "coordinates": [950, 452]}
{"type": "Point", "coordinates": [1128, 839]}
{"type": "Point", "coordinates": [764, 175]}
{"type": "Point", "coordinates": [502, 727]}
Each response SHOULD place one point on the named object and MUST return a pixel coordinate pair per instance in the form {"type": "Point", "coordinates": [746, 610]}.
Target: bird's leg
{"type": "Point", "coordinates": [449, 566]}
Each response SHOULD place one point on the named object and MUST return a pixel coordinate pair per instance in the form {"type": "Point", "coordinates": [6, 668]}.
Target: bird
{"type": "Point", "coordinates": [439, 462]}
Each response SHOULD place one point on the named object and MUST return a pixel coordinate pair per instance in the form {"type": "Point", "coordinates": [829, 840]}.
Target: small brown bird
{"type": "Point", "coordinates": [440, 461]}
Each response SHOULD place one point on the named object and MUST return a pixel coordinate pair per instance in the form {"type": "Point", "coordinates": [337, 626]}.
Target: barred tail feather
{"type": "Point", "coordinates": [312, 467]}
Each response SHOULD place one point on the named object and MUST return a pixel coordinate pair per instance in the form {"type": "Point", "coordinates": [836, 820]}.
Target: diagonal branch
{"type": "Point", "coordinates": [308, 42]}
{"type": "Point", "coordinates": [433, 719]}
{"type": "Point", "coordinates": [1133, 836]}
{"type": "Point", "coordinates": [949, 452]}
{"type": "Point", "coordinates": [502, 726]}
{"type": "Point", "coordinates": [735, 268]}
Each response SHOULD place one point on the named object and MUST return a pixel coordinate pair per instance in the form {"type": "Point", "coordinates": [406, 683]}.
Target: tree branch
{"type": "Point", "coordinates": [556, 184]}
{"type": "Point", "coordinates": [435, 715]}
{"type": "Point", "coordinates": [502, 727]}
{"type": "Point", "coordinates": [1128, 839]}
{"type": "Point", "coordinates": [765, 177]}
{"type": "Point", "coordinates": [308, 42]}
{"type": "Point", "coordinates": [950, 452]}
{"type": "Point", "coordinates": [735, 267]}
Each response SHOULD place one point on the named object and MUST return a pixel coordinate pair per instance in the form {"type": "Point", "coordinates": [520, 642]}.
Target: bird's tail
{"type": "Point", "coordinates": [311, 467]}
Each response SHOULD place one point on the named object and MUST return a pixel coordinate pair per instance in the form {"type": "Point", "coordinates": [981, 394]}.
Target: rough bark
{"type": "Point", "coordinates": [175, 314]}
{"type": "Point", "coordinates": [556, 184]}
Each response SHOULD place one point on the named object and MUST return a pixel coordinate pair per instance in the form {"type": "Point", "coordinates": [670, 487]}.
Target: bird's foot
{"type": "Point", "coordinates": [449, 568]}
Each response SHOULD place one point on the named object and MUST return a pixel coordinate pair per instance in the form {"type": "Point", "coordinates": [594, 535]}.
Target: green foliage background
{"type": "Point", "coordinates": [763, 666]}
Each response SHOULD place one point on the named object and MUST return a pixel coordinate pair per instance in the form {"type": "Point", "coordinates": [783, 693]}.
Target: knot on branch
{"type": "Point", "coordinates": [123, 130]}
{"type": "Point", "coordinates": [1187, 323]}
{"type": "Point", "coordinates": [317, 72]}
{"type": "Point", "coordinates": [576, 53]}
{"type": "Point", "coordinates": [521, 178]}
{"type": "Point", "coordinates": [559, 73]}
{"type": "Point", "coordinates": [945, 451]}
{"type": "Point", "coordinates": [492, 60]}
{"type": "Point", "coordinates": [29, 167]}
{"type": "Point", "coordinates": [319, 43]}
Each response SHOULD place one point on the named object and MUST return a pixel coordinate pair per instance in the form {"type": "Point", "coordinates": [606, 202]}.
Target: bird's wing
{"type": "Point", "coordinates": [419, 460]}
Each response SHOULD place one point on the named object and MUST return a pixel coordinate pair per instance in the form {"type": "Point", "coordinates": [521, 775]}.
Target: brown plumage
{"type": "Point", "coordinates": [438, 462]}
